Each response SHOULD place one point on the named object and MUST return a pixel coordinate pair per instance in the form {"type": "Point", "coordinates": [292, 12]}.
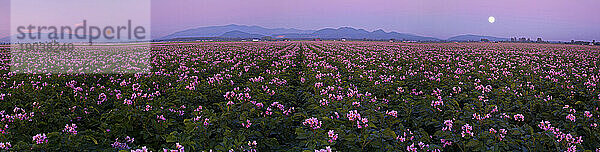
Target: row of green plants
{"type": "Point", "coordinates": [315, 96]}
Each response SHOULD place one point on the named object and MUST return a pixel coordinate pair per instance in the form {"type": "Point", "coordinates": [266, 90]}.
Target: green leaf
{"type": "Point", "coordinates": [171, 138]}
{"type": "Point", "coordinates": [389, 133]}
{"type": "Point", "coordinates": [472, 143]}
{"type": "Point", "coordinates": [351, 137]}
{"type": "Point", "coordinates": [301, 133]}
{"type": "Point", "coordinates": [92, 138]}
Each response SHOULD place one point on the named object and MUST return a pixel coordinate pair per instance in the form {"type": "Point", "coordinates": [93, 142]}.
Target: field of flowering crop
{"type": "Point", "coordinates": [315, 96]}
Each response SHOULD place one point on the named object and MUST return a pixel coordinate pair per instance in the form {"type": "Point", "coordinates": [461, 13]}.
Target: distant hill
{"type": "Point", "coordinates": [351, 33]}
{"type": "Point", "coordinates": [342, 32]}
{"type": "Point", "coordinates": [240, 34]}
{"type": "Point", "coordinates": [470, 37]}
{"type": "Point", "coordinates": [216, 31]}
{"type": "Point", "coordinates": [233, 31]}
{"type": "Point", "coordinates": [5, 39]}
{"type": "Point", "coordinates": [242, 31]}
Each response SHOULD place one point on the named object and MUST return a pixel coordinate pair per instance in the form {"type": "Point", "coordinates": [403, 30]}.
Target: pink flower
{"type": "Point", "coordinates": [101, 98]}
{"type": "Point", "coordinates": [332, 135]}
{"type": "Point", "coordinates": [127, 102]}
{"type": "Point", "coordinates": [446, 142]}
{"type": "Point", "coordinates": [492, 131]}
{"type": "Point", "coordinates": [70, 129]}
{"type": "Point", "coordinates": [573, 148]}
{"type": "Point", "coordinates": [5, 146]}
{"type": "Point", "coordinates": [206, 122]}
{"type": "Point", "coordinates": [356, 103]}
{"type": "Point", "coordinates": [411, 148]}
{"type": "Point", "coordinates": [160, 118]}
{"type": "Point", "coordinates": [324, 102]}
{"type": "Point", "coordinates": [247, 124]}
{"type": "Point", "coordinates": [401, 138]}
{"type": "Point", "coordinates": [448, 124]}
{"type": "Point", "coordinates": [494, 110]}
{"type": "Point", "coordinates": [519, 117]}
{"type": "Point", "coordinates": [502, 133]}
{"type": "Point", "coordinates": [400, 90]}
{"type": "Point", "coordinates": [40, 139]}
{"type": "Point", "coordinates": [144, 149]}
{"type": "Point", "coordinates": [456, 89]}
{"type": "Point", "coordinates": [587, 114]}
{"type": "Point", "coordinates": [352, 115]}
{"type": "Point", "coordinates": [423, 145]}
{"type": "Point", "coordinates": [437, 103]}
{"type": "Point", "coordinates": [179, 147]}
{"type": "Point", "coordinates": [119, 145]}
{"type": "Point", "coordinates": [571, 117]}
{"type": "Point", "coordinates": [318, 84]}
{"type": "Point", "coordinates": [392, 113]}
{"type": "Point", "coordinates": [327, 149]}
{"type": "Point", "coordinates": [545, 125]}
{"type": "Point", "coordinates": [313, 123]}
{"type": "Point", "coordinates": [466, 130]}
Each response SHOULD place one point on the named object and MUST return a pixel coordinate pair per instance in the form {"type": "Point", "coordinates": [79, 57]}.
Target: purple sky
{"type": "Point", "coordinates": [4, 18]}
{"type": "Point", "coordinates": [549, 19]}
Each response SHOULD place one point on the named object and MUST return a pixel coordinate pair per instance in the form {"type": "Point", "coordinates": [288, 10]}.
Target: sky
{"type": "Point", "coordinates": [549, 19]}
{"type": "Point", "coordinates": [4, 18]}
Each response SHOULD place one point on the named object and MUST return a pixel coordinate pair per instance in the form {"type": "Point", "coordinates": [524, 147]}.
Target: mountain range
{"type": "Point", "coordinates": [471, 37]}
{"type": "Point", "coordinates": [5, 39]}
{"type": "Point", "coordinates": [233, 31]}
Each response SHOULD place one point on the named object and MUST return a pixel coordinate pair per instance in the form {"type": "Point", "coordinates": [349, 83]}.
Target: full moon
{"type": "Point", "coordinates": [492, 19]}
